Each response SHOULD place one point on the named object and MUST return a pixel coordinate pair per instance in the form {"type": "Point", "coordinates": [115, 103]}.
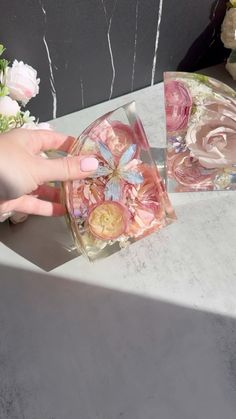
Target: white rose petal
{"type": "Point", "coordinates": [8, 106]}
{"type": "Point", "coordinates": [33, 125]}
{"type": "Point", "coordinates": [29, 125]}
{"type": "Point", "coordinates": [44, 125]}
{"type": "Point", "coordinates": [28, 117]}
{"type": "Point", "coordinates": [22, 82]}
{"type": "Point", "coordinates": [228, 29]}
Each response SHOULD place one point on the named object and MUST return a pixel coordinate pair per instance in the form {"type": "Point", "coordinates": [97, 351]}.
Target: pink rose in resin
{"type": "Point", "coordinates": [86, 193]}
{"type": "Point", "coordinates": [188, 172]}
{"type": "Point", "coordinates": [116, 135]}
{"type": "Point", "coordinates": [212, 140]}
{"type": "Point", "coordinates": [100, 131]}
{"type": "Point", "coordinates": [145, 204]}
{"type": "Point", "coordinates": [178, 105]}
{"type": "Point", "coordinates": [148, 191]}
{"type": "Point", "coordinates": [119, 139]}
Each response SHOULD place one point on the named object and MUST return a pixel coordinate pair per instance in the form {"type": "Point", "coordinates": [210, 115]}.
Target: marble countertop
{"type": "Point", "coordinates": [148, 333]}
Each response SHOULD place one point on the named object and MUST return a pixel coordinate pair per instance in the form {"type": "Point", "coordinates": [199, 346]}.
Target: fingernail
{"type": "Point", "coordinates": [88, 164]}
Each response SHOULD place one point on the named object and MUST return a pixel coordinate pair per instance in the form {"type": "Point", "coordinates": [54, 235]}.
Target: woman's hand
{"type": "Point", "coordinates": [24, 172]}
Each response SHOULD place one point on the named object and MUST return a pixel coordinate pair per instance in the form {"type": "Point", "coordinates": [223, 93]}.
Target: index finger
{"type": "Point", "coordinates": [43, 140]}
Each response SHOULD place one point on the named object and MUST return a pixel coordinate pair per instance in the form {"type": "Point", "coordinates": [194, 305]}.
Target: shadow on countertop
{"type": "Point", "coordinates": [71, 350]}
{"type": "Point", "coordinates": [44, 241]}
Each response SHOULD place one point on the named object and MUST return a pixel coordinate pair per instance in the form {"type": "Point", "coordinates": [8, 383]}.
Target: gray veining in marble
{"type": "Point", "coordinates": [51, 77]}
{"type": "Point", "coordinates": [156, 42]}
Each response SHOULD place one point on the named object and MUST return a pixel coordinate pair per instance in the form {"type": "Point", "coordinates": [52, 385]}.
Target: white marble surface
{"type": "Point", "coordinates": [148, 333]}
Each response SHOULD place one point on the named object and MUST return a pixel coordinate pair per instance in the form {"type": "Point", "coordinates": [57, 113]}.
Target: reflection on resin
{"type": "Point", "coordinates": [201, 133]}
{"type": "Point", "coordinates": [125, 199]}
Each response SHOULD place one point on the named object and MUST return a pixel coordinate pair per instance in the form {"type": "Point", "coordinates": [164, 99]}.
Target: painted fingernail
{"type": "Point", "coordinates": [88, 164]}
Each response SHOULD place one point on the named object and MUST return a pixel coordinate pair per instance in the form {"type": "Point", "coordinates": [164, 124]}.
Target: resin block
{"type": "Point", "coordinates": [125, 199]}
{"type": "Point", "coordinates": [201, 133]}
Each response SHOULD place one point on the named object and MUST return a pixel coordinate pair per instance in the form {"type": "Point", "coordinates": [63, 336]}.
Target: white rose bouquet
{"type": "Point", "coordinates": [18, 84]}
{"type": "Point", "coordinates": [228, 37]}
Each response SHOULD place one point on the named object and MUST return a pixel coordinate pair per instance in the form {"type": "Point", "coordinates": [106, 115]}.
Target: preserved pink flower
{"type": "Point", "coordinates": [188, 172]}
{"type": "Point", "coordinates": [148, 191]}
{"type": "Point", "coordinates": [100, 131]}
{"type": "Point", "coordinates": [109, 220]}
{"type": "Point", "coordinates": [178, 104]}
{"type": "Point", "coordinates": [116, 135]}
{"type": "Point", "coordinates": [212, 140]}
{"type": "Point", "coordinates": [86, 193]}
{"type": "Point", "coordinates": [145, 204]}
{"type": "Point", "coordinates": [94, 191]}
{"type": "Point", "coordinates": [119, 138]}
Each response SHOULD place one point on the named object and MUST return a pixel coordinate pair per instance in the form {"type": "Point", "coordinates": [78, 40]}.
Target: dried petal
{"type": "Point", "coordinates": [108, 221]}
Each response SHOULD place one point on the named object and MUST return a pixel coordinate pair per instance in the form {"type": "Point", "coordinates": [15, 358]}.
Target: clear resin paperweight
{"type": "Point", "coordinates": [201, 133]}
{"type": "Point", "coordinates": [125, 198]}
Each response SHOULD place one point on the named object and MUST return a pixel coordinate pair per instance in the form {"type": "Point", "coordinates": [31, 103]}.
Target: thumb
{"type": "Point", "coordinates": [66, 168]}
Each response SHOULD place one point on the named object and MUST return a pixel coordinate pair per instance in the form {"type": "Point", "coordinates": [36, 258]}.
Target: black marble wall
{"type": "Point", "coordinates": [87, 51]}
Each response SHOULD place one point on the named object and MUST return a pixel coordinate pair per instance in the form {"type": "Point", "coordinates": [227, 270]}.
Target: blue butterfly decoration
{"type": "Point", "coordinates": [116, 172]}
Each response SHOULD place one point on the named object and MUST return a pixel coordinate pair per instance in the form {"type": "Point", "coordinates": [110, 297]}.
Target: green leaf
{"type": "Point", "coordinates": [5, 124]}
{"type": "Point", "coordinates": [3, 90]}
{"type": "Point", "coordinates": [2, 49]}
{"type": "Point", "coordinates": [232, 57]}
{"type": "Point", "coordinates": [3, 64]}
{"type": "Point", "coordinates": [9, 122]}
{"type": "Point", "coordinates": [201, 78]}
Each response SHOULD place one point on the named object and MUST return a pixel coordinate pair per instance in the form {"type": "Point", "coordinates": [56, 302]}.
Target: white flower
{"type": "Point", "coordinates": [199, 91]}
{"type": "Point", "coordinates": [33, 125]}
{"type": "Point", "coordinates": [27, 117]}
{"type": "Point", "coordinates": [44, 125]}
{"type": "Point", "coordinates": [8, 106]}
{"type": "Point", "coordinates": [231, 67]}
{"type": "Point", "coordinates": [228, 29]}
{"type": "Point", "coordinates": [22, 82]}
